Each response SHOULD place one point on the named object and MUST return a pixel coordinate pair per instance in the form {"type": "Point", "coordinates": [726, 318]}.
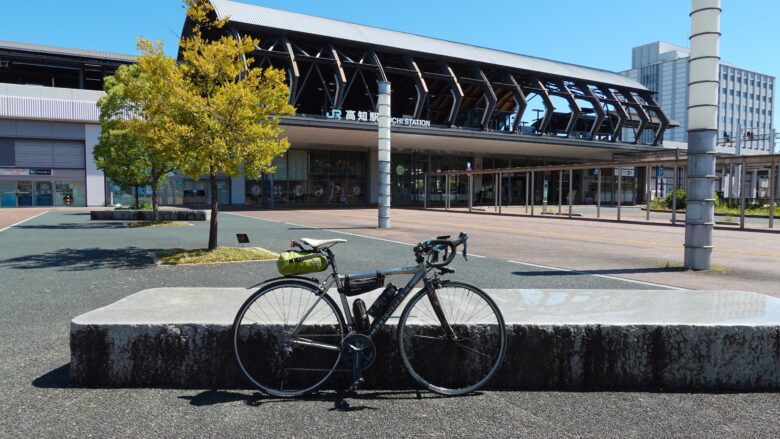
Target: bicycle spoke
{"type": "Point", "coordinates": [430, 357]}
{"type": "Point", "coordinates": [267, 352]}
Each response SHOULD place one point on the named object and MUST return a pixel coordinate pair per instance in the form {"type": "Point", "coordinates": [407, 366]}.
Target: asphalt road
{"type": "Point", "coordinates": [60, 265]}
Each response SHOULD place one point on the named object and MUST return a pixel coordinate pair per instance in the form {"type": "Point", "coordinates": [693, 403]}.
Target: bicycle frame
{"type": "Point", "coordinates": [419, 273]}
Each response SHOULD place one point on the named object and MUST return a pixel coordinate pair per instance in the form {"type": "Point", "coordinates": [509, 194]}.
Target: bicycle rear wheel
{"type": "Point", "coordinates": [457, 363]}
{"type": "Point", "coordinates": [275, 356]}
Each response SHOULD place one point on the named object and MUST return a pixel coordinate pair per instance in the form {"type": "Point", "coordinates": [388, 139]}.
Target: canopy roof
{"type": "Point", "coordinates": [253, 15]}
{"type": "Point", "coordinates": [63, 51]}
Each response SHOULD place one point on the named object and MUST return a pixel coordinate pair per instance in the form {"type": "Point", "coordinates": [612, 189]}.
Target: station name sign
{"type": "Point", "coordinates": [373, 117]}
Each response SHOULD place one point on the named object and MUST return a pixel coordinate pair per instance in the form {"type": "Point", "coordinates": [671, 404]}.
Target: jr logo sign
{"type": "Point", "coordinates": [333, 114]}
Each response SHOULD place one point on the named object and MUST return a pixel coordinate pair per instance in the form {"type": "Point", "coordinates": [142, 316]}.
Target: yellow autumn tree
{"type": "Point", "coordinates": [229, 110]}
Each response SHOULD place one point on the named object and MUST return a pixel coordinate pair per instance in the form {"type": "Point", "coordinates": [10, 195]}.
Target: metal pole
{"type": "Point", "coordinates": [383, 107]}
{"type": "Point", "coordinates": [674, 194]}
{"type": "Point", "coordinates": [620, 191]}
{"type": "Point", "coordinates": [425, 191]}
{"type": "Point", "coordinates": [470, 179]}
{"type": "Point", "coordinates": [532, 193]}
{"type": "Point", "coordinates": [647, 191]}
{"type": "Point", "coordinates": [447, 192]}
{"type": "Point", "coordinates": [495, 193]}
{"type": "Point", "coordinates": [560, 190]}
{"type": "Point", "coordinates": [571, 187]}
{"type": "Point", "coordinates": [772, 194]}
{"type": "Point", "coordinates": [598, 195]}
{"type": "Point", "coordinates": [527, 186]}
{"type": "Point", "coordinates": [731, 181]}
{"type": "Point", "coordinates": [703, 89]}
{"type": "Point", "coordinates": [500, 191]}
{"type": "Point", "coordinates": [742, 178]}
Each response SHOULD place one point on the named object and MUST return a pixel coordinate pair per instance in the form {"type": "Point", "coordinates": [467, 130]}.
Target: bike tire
{"type": "Point", "coordinates": [265, 348]}
{"type": "Point", "coordinates": [447, 366]}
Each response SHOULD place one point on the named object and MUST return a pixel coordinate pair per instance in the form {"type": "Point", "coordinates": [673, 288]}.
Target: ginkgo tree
{"type": "Point", "coordinates": [139, 131]}
{"type": "Point", "coordinates": [229, 111]}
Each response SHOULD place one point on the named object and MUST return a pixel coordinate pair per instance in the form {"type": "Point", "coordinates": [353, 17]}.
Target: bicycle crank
{"type": "Point", "coordinates": [358, 349]}
{"type": "Point", "coordinates": [357, 352]}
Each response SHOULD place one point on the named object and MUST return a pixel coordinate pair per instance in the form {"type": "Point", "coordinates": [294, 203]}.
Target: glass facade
{"type": "Point", "coordinates": [42, 193]}
{"type": "Point", "coordinates": [177, 190]}
{"type": "Point", "coordinates": [312, 177]}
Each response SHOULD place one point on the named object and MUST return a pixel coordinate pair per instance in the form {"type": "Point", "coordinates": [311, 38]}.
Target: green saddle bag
{"type": "Point", "coordinates": [292, 263]}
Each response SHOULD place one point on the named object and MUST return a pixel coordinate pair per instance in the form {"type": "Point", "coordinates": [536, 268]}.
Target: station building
{"type": "Point", "coordinates": [455, 107]}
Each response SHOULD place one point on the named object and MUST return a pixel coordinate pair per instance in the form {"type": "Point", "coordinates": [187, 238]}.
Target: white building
{"type": "Point", "coordinates": [746, 98]}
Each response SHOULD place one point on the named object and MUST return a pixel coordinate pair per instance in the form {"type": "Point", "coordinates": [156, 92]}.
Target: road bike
{"type": "Point", "coordinates": [290, 335]}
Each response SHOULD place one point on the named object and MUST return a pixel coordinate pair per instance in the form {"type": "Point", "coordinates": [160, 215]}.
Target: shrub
{"type": "Point", "coordinates": [681, 197]}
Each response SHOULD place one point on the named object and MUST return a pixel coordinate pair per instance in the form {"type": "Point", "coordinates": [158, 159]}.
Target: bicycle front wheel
{"type": "Point", "coordinates": [453, 340]}
{"type": "Point", "coordinates": [287, 337]}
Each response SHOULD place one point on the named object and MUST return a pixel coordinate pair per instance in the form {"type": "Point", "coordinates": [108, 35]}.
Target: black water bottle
{"type": "Point", "coordinates": [383, 301]}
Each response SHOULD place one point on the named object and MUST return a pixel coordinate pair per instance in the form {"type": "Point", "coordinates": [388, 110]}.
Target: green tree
{"type": "Point", "coordinates": [231, 109]}
{"type": "Point", "coordinates": [139, 126]}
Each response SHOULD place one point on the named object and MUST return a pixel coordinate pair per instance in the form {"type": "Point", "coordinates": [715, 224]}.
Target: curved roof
{"type": "Point", "coordinates": [307, 24]}
{"type": "Point", "coordinates": [56, 50]}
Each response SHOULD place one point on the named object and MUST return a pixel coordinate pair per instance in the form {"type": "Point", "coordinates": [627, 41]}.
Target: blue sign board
{"type": "Point", "coordinates": [660, 171]}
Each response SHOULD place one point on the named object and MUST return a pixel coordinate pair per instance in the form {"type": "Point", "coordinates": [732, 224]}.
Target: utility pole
{"type": "Point", "coordinates": [703, 88]}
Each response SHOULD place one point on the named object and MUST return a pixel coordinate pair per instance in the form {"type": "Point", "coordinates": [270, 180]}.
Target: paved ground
{"type": "Point", "coordinates": [9, 217]}
{"type": "Point", "coordinates": [636, 251]}
{"type": "Point", "coordinates": [59, 265]}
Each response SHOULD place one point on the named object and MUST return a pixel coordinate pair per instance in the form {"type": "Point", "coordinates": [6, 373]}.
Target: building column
{"type": "Point", "coordinates": [238, 190]}
{"type": "Point", "coordinates": [96, 180]}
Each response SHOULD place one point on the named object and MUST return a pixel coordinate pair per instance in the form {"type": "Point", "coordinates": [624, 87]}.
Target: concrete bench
{"type": "Point", "coordinates": [148, 215]}
{"type": "Point", "coordinates": [573, 339]}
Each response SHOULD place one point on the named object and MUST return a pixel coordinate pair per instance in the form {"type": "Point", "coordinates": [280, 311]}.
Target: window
{"type": "Point", "coordinates": [752, 82]}
{"type": "Point", "coordinates": [724, 90]}
{"type": "Point", "coordinates": [725, 77]}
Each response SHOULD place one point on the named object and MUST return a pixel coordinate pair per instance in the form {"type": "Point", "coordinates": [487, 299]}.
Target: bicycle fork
{"type": "Point", "coordinates": [437, 309]}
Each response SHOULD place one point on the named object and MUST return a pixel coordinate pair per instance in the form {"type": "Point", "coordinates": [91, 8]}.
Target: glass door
{"type": "Point", "coordinates": [24, 194]}
{"type": "Point", "coordinates": [43, 193]}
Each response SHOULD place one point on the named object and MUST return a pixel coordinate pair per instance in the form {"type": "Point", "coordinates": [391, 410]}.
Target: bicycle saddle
{"type": "Point", "coordinates": [321, 243]}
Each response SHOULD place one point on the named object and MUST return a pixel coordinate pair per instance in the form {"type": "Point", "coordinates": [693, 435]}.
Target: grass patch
{"type": "Point", "coordinates": [137, 224]}
{"type": "Point", "coordinates": [220, 254]}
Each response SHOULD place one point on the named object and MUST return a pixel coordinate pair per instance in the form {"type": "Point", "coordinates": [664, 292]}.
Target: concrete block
{"type": "Point", "coordinates": [148, 215]}
{"type": "Point", "coordinates": [575, 340]}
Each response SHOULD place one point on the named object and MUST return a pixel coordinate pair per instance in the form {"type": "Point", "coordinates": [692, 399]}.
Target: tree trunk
{"type": "Point", "coordinates": [155, 195]}
{"type": "Point", "coordinates": [137, 204]}
{"type": "Point", "coordinates": [214, 211]}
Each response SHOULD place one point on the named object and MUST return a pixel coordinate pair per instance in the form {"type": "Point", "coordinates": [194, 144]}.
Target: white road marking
{"type": "Point", "coordinates": [604, 276]}
{"type": "Point", "coordinates": [23, 221]}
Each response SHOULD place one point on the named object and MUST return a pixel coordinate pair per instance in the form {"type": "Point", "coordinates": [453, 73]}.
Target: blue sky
{"type": "Point", "coordinates": [595, 33]}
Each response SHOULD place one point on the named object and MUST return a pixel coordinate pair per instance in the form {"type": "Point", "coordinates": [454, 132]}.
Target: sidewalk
{"type": "Point", "coordinates": [743, 260]}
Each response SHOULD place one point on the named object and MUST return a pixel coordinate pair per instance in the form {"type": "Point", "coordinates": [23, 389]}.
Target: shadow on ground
{"type": "Point", "coordinates": [333, 228]}
{"type": "Point", "coordinates": [602, 272]}
{"type": "Point", "coordinates": [75, 226]}
{"type": "Point", "coordinates": [58, 378]}
{"type": "Point", "coordinates": [71, 259]}
{"type": "Point", "coordinates": [213, 397]}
